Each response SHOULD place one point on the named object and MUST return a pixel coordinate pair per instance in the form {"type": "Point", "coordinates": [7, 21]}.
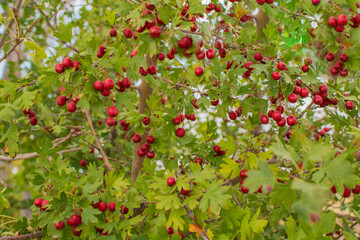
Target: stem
{"type": "Point", "coordinates": [98, 145]}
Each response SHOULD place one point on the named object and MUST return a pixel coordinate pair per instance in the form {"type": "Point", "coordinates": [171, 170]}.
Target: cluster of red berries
{"type": "Point", "coordinates": [125, 125]}
{"type": "Point", "coordinates": [213, 7]}
{"type": "Point", "coordinates": [31, 116]}
{"type": "Point", "coordinates": [281, 66]}
{"type": "Point", "coordinates": [101, 51]}
{"type": "Point", "coordinates": [243, 175]}
{"type": "Point", "coordinates": [322, 133]}
{"type": "Point", "coordinates": [62, 100]}
{"type": "Point", "coordinates": [112, 112]}
{"type": "Point", "coordinates": [262, 2]}
{"type": "Point", "coordinates": [150, 70]}
{"type": "Point", "coordinates": [339, 22]}
{"type": "Point", "coordinates": [276, 116]}
{"type": "Point", "coordinates": [145, 147]}
{"type": "Point", "coordinates": [104, 87]}
{"type": "Point", "coordinates": [235, 114]}
{"type": "Point", "coordinates": [218, 151]}
{"type": "Point", "coordinates": [347, 191]}
{"type": "Point", "coordinates": [66, 63]}
{"type": "Point", "coordinates": [339, 65]}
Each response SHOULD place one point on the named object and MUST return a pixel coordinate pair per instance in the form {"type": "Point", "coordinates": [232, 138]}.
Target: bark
{"type": "Point", "coordinates": [261, 21]}
{"type": "Point", "coordinates": [145, 91]}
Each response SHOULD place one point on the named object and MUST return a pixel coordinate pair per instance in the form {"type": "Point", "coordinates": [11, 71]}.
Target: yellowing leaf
{"type": "Point", "coordinates": [195, 229]}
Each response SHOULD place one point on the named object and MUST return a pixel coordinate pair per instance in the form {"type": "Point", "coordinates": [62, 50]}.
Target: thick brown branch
{"type": "Point", "coordinates": [24, 236]}
{"type": "Point", "coordinates": [98, 145]}
{"type": "Point", "coordinates": [145, 91]}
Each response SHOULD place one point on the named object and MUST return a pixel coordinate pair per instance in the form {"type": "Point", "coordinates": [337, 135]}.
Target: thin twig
{"type": "Point", "coordinates": [98, 145]}
{"type": "Point", "coordinates": [11, 22]}
{"type": "Point", "coordinates": [3, 183]}
{"type": "Point", "coordinates": [118, 161]}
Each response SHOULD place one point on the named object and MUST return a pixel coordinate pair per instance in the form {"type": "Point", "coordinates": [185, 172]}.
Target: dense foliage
{"type": "Point", "coordinates": [162, 119]}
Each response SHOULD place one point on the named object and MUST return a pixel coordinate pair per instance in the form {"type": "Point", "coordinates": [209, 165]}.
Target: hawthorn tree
{"type": "Point", "coordinates": [173, 119]}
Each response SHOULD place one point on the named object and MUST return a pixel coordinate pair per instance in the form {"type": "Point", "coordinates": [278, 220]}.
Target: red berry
{"type": "Point", "coordinates": [243, 173]}
{"type": "Point", "coordinates": [315, 2]}
{"type": "Point", "coordinates": [140, 152]}
{"type": "Point", "coordinates": [291, 120]}
{"type": "Point", "coordinates": [260, 2]}
{"type": "Point", "coordinates": [215, 102]}
{"type": "Point", "coordinates": [171, 181]}
{"type": "Point", "coordinates": [199, 71]}
{"type": "Point", "coordinates": [318, 99]}
{"type": "Point", "coordinates": [59, 225]}
{"type": "Point", "coordinates": [43, 203]}
{"type": "Point", "coordinates": [67, 63]}
{"type": "Point", "coordinates": [270, 113]}
{"type": "Point", "coordinates": [146, 121]}
{"type": "Point", "coordinates": [161, 56]}
{"type": "Point", "coordinates": [136, 138]}
{"type": "Point", "coordinates": [110, 122]}
{"type": "Point", "coordinates": [339, 28]}
{"type": "Point", "coordinates": [332, 22]}
{"type": "Point", "coordinates": [76, 233]}
{"type": "Point", "coordinates": [112, 111]}
{"type": "Point", "coordinates": [112, 206]}
{"type": "Point", "coordinates": [217, 148]}
{"type": "Point", "coordinates": [304, 92]}
{"type": "Point", "coordinates": [155, 31]}
{"type": "Point", "coordinates": [59, 68]}
{"type": "Point", "coordinates": [347, 192]}
{"type": "Point", "coordinates": [102, 206]}
{"type": "Point", "coordinates": [276, 115]}
{"type": "Point", "coordinates": [113, 33]}
{"type": "Point", "coordinates": [305, 68]}
{"type": "Point", "coordinates": [150, 139]}
{"type": "Point", "coordinates": [330, 56]}
{"type": "Point", "coordinates": [180, 132]}
{"type": "Point", "coordinates": [108, 83]}
{"type": "Point", "coordinates": [105, 92]}
{"type": "Point", "coordinates": [98, 85]}
{"type": "Point", "coordinates": [128, 33]}
{"type": "Point", "coordinates": [177, 120]}
{"type": "Point", "coordinates": [342, 19]}
{"type": "Point", "coordinates": [37, 202]}
{"type": "Point", "coordinates": [232, 115]}
{"type": "Point", "coordinates": [343, 57]}
{"type": "Point", "coordinates": [83, 162]}
{"type": "Point", "coordinates": [150, 154]}
{"type": "Point", "coordinates": [76, 65]}
{"type": "Point", "coordinates": [244, 189]}
{"type": "Point", "coordinates": [356, 190]}
{"type": "Point", "coordinates": [71, 107]}
{"type": "Point", "coordinates": [33, 121]}
{"type": "Point", "coordinates": [258, 56]}
{"type": "Point", "coordinates": [323, 88]}
{"type": "Point", "coordinates": [276, 75]}
{"type": "Point", "coordinates": [152, 70]}
{"type": "Point", "coordinates": [280, 109]}
{"type": "Point", "coordinates": [281, 66]}
{"type": "Point", "coordinates": [264, 119]}
{"type": "Point", "coordinates": [344, 72]}
{"type": "Point", "coordinates": [200, 55]}
{"type": "Point", "coordinates": [292, 98]}
{"type": "Point", "coordinates": [349, 105]}
{"type": "Point", "coordinates": [281, 122]}
{"type": "Point", "coordinates": [210, 54]}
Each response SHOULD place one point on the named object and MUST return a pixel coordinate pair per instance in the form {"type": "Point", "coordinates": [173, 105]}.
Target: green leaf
{"type": "Point", "coordinates": [167, 202]}
{"type": "Point", "coordinates": [340, 173]}
{"type": "Point", "coordinates": [290, 227]}
{"type": "Point", "coordinates": [4, 203]}
{"type": "Point", "coordinates": [64, 32]}
{"type": "Point", "coordinates": [202, 176]}
{"type": "Point", "coordinates": [12, 137]}
{"type": "Point", "coordinates": [26, 99]}
{"type": "Point", "coordinates": [110, 16]}
{"type": "Point", "coordinates": [88, 215]}
{"type": "Point", "coordinates": [175, 220]}
{"type": "Point", "coordinates": [39, 51]}
{"type": "Point", "coordinates": [262, 177]}
{"type": "Point", "coordinates": [7, 112]}
{"type": "Point", "coordinates": [229, 168]}
{"type": "Point", "coordinates": [216, 196]}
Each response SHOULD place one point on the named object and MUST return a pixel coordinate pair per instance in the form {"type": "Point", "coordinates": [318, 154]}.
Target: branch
{"type": "Point", "coordinates": [19, 40]}
{"type": "Point", "coordinates": [118, 161]}
{"type": "Point", "coordinates": [26, 156]}
{"type": "Point", "coordinates": [26, 85]}
{"type": "Point", "coordinates": [24, 236]}
{"type": "Point", "coordinates": [294, 14]}
{"type": "Point", "coordinates": [3, 183]}
{"type": "Point", "coordinates": [232, 181]}
{"type": "Point", "coordinates": [98, 145]}
{"type": "Point", "coordinates": [11, 22]}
